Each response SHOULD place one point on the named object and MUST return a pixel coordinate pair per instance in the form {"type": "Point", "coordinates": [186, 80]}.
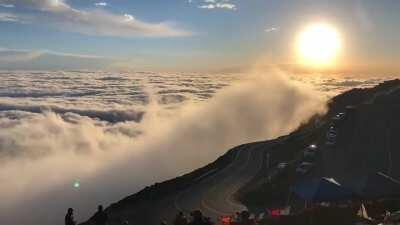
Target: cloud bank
{"type": "Point", "coordinates": [42, 154]}
{"type": "Point", "coordinates": [60, 15]}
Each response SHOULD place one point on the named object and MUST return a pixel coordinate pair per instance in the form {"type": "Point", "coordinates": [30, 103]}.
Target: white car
{"type": "Point", "coordinates": [339, 116]}
{"type": "Point", "coordinates": [304, 168]}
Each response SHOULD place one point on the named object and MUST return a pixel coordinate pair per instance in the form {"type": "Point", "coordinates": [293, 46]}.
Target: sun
{"type": "Point", "coordinates": [318, 45]}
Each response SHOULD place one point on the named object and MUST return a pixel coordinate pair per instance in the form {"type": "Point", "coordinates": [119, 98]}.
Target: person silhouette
{"type": "Point", "coordinates": [198, 218]}
{"type": "Point", "coordinates": [245, 218]}
{"type": "Point", "coordinates": [180, 219]}
{"type": "Point", "coordinates": [100, 217]}
{"type": "Point", "coordinates": [69, 217]}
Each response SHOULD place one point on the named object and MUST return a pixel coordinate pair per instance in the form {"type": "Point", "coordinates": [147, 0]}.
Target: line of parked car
{"type": "Point", "coordinates": [331, 134]}
{"type": "Point", "coordinates": [311, 152]}
{"type": "Point", "coordinates": [308, 160]}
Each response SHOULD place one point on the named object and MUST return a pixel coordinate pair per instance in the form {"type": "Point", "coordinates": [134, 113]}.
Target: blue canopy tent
{"type": "Point", "coordinates": [322, 190]}
{"type": "Point", "coordinates": [374, 186]}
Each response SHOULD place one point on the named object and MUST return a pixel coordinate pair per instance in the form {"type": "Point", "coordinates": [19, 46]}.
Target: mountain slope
{"type": "Point", "coordinates": [366, 141]}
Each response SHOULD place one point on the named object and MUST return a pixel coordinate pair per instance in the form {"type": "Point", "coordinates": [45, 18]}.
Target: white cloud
{"type": "Point", "coordinates": [271, 29]}
{"type": "Point", "coordinates": [209, 6]}
{"type": "Point", "coordinates": [129, 17]}
{"type": "Point", "coordinates": [9, 17]}
{"type": "Point", "coordinates": [7, 5]}
{"type": "Point", "coordinates": [218, 4]}
{"type": "Point", "coordinates": [226, 6]}
{"type": "Point", "coordinates": [101, 4]}
{"type": "Point", "coordinates": [60, 15]}
{"type": "Point", "coordinates": [35, 4]}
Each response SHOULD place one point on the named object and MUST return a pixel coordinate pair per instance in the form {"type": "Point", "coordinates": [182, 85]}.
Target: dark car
{"type": "Point", "coordinates": [304, 168]}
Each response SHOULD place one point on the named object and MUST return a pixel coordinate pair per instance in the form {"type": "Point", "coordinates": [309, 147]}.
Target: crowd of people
{"type": "Point", "coordinates": [197, 218]}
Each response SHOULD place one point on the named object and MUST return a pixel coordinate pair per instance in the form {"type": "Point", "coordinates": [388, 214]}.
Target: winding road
{"type": "Point", "coordinates": [214, 194]}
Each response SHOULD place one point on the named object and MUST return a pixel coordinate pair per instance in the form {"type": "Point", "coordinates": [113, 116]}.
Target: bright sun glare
{"type": "Point", "coordinates": [318, 45]}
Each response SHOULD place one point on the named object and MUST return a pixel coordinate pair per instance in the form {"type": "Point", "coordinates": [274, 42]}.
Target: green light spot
{"type": "Point", "coordinates": [77, 184]}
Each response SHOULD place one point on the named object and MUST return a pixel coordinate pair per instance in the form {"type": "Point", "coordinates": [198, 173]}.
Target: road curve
{"type": "Point", "coordinates": [213, 195]}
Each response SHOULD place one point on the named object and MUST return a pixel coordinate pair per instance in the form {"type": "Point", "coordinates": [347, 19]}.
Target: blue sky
{"type": "Point", "coordinates": [187, 35]}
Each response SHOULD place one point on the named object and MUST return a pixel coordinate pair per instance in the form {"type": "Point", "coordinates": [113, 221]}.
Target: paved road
{"type": "Point", "coordinates": [213, 195]}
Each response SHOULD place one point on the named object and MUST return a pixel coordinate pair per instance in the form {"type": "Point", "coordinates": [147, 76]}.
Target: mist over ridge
{"type": "Point", "coordinates": [48, 149]}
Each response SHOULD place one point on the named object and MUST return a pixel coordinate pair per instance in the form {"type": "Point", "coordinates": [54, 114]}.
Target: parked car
{"type": "Point", "coordinates": [282, 166]}
{"type": "Point", "coordinates": [312, 146]}
{"type": "Point", "coordinates": [304, 168]}
{"type": "Point", "coordinates": [339, 116]}
{"type": "Point", "coordinates": [332, 129]}
{"type": "Point", "coordinates": [277, 171]}
{"type": "Point", "coordinates": [331, 136]}
{"type": "Point", "coordinates": [331, 133]}
{"type": "Point", "coordinates": [310, 153]}
{"type": "Point", "coordinates": [331, 141]}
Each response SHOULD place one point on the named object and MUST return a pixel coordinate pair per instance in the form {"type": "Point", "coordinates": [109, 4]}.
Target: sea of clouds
{"type": "Point", "coordinates": [115, 133]}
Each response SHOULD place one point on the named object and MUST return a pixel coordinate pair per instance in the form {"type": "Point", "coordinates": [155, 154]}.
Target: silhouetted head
{"type": "Point", "coordinates": [70, 210]}
{"type": "Point", "coordinates": [100, 208]}
{"type": "Point", "coordinates": [245, 215]}
{"type": "Point", "coordinates": [197, 214]}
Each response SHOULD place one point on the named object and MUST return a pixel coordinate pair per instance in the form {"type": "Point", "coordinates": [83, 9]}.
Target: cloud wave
{"type": "Point", "coordinates": [111, 116]}
{"type": "Point", "coordinates": [110, 163]}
